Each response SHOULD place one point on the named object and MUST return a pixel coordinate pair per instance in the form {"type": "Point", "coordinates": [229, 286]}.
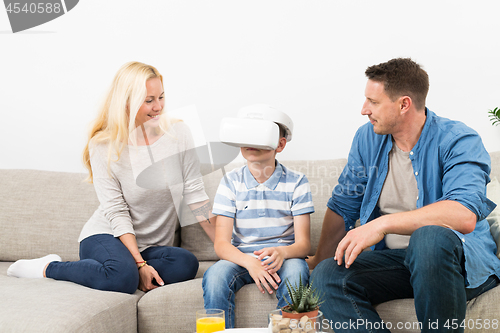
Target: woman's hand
{"type": "Point", "coordinates": [262, 277]}
{"type": "Point", "coordinates": [146, 276]}
{"type": "Point", "coordinates": [276, 257]}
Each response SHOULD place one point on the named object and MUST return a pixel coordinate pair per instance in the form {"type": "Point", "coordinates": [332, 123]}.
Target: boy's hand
{"type": "Point", "coordinates": [276, 257]}
{"type": "Point", "coordinates": [262, 277]}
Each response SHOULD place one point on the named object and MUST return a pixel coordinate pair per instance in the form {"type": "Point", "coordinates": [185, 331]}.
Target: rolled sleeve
{"type": "Point", "coordinates": [466, 168]}
{"type": "Point", "coordinates": [194, 191]}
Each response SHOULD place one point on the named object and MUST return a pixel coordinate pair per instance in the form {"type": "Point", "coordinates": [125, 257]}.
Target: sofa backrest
{"type": "Point", "coordinates": [43, 212]}
{"type": "Point", "coordinates": [495, 165]}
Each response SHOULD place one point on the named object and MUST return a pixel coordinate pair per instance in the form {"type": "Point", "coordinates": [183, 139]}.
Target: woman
{"type": "Point", "coordinates": [127, 243]}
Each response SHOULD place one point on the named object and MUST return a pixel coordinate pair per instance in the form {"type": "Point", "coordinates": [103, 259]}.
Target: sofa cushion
{"type": "Point", "coordinates": [46, 305]}
{"type": "Point", "coordinates": [400, 315]}
{"type": "Point", "coordinates": [56, 206]}
{"type": "Point", "coordinates": [172, 308]}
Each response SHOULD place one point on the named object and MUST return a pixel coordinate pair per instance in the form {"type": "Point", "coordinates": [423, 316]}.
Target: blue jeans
{"type": "Point", "coordinates": [106, 264]}
{"type": "Point", "coordinates": [223, 279]}
{"type": "Point", "coordinates": [431, 270]}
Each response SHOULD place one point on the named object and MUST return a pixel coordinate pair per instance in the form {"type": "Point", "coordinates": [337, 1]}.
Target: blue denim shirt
{"type": "Point", "coordinates": [449, 163]}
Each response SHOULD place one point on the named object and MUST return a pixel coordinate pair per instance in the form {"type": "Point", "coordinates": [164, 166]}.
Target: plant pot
{"type": "Point", "coordinates": [310, 314]}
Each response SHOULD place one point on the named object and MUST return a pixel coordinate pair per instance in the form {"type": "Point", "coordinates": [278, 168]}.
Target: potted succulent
{"type": "Point", "coordinates": [302, 312]}
{"type": "Point", "coordinates": [305, 301]}
{"type": "Point", "coordinates": [495, 116]}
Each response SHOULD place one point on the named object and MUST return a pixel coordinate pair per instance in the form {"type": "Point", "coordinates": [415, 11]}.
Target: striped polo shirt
{"type": "Point", "coordinates": [263, 213]}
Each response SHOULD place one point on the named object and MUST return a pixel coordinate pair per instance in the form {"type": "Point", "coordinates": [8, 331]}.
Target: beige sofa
{"type": "Point", "coordinates": [43, 212]}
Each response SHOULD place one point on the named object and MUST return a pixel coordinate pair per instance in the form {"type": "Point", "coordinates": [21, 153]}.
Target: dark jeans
{"type": "Point", "coordinates": [430, 270]}
{"type": "Point", "coordinates": [106, 264]}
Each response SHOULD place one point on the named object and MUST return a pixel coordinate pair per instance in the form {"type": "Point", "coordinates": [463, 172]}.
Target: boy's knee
{"type": "Point", "coordinates": [293, 268]}
{"type": "Point", "coordinates": [217, 274]}
{"type": "Point", "coordinates": [208, 278]}
{"type": "Point", "coordinates": [216, 282]}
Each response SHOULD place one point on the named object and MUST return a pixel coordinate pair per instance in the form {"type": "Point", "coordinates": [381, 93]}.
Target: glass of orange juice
{"type": "Point", "coordinates": [210, 320]}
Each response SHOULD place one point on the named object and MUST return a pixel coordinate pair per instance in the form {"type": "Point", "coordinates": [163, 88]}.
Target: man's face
{"type": "Point", "coordinates": [384, 114]}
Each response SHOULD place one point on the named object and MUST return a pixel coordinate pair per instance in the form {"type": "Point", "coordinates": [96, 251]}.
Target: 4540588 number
{"type": "Point", "coordinates": [473, 324]}
{"type": "Point", "coordinates": [33, 8]}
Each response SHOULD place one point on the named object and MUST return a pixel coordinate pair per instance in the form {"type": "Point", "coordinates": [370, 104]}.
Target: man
{"type": "Point", "coordinates": [420, 181]}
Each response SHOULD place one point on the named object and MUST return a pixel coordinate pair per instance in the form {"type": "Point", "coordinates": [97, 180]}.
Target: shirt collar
{"type": "Point", "coordinates": [429, 118]}
{"type": "Point", "coordinates": [271, 183]}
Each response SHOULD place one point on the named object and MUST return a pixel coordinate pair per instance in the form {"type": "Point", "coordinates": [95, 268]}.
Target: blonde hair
{"type": "Point", "coordinates": [116, 117]}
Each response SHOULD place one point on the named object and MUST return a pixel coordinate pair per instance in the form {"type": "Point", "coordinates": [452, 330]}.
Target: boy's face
{"type": "Point", "coordinates": [254, 155]}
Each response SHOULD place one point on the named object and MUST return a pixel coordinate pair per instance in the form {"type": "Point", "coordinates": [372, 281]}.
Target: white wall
{"type": "Point", "coordinates": [306, 58]}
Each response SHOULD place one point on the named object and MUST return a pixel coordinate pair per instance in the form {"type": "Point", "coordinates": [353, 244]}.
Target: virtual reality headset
{"type": "Point", "coordinates": [256, 126]}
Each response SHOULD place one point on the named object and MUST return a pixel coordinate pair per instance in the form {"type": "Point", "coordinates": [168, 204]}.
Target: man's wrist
{"type": "Point", "coordinates": [384, 224]}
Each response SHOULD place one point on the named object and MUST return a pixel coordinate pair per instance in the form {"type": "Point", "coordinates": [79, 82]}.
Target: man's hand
{"type": "Point", "coordinates": [262, 277]}
{"type": "Point", "coordinates": [146, 275]}
{"type": "Point", "coordinates": [276, 258]}
{"type": "Point", "coordinates": [357, 240]}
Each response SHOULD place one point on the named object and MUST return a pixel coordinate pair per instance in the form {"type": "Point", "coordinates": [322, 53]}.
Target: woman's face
{"type": "Point", "coordinates": [149, 113]}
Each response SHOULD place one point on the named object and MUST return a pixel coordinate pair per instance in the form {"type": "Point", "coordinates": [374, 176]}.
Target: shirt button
{"type": "Point", "coordinates": [411, 153]}
{"type": "Point", "coordinates": [416, 173]}
{"type": "Point", "coordinates": [417, 197]}
{"type": "Point", "coordinates": [350, 227]}
{"type": "Point", "coordinates": [463, 240]}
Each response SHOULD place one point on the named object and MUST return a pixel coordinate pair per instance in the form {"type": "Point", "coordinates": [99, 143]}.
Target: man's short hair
{"type": "Point", "coordinates": [401, 77]}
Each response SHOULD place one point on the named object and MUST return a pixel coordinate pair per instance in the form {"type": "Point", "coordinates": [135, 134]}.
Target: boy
{"type": "Point", "coordinates": [262, 209]}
